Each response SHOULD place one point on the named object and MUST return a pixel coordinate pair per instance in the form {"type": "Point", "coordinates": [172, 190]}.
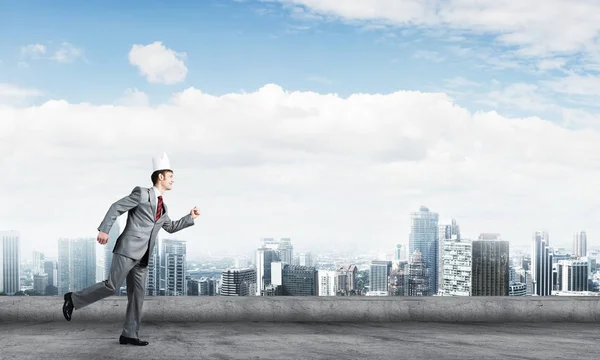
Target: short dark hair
{"type": "Point", "coordinates": [154, 176]}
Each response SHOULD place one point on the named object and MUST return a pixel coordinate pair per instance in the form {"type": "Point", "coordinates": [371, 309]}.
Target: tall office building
{"type": "Point", "coordinates": [457, 264]}
{"type": "Point", "coordinates": [264, 258]}
{"type": "Point", "coordinates": [445, 232]}
{"type": "Point", "coordinates": [379, 275]}
{"type": "Point", "coordinates": [299, 280]}
{"type": "Point", "coordinates": [238, 282]}
{"type": "Point", "coordinates": [541, 264]}
{"type": "Point", "coordinates": [76, 264]}
{"type": "Point", "coordinates": [399, 276]}
{"type": "Point", "coordinates": [347, 280]}
{"type": "Point", "coordinates": [418, 276]}
{"type": "Point", "coordinates": [490, 269]}
{"type": "Point", "coordinates": [424, 238]}
{"type": "Point", "coordinates": [328, 282]}
{"type": "Point", "coordinates": [573, 275]}
{"type": "Point", "coordinates": [580, 244]}
{"type": "Point", "coordinates": [10, 262]}
{"type": "Point", "coordinates": [174, 263]}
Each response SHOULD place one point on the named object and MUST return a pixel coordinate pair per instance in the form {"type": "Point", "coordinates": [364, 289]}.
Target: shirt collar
{"type": "Point", "coordinates": [156, 192]}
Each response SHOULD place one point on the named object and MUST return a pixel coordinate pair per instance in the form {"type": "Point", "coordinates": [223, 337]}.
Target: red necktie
{"type": "Point", "coordinates": [159, 208]}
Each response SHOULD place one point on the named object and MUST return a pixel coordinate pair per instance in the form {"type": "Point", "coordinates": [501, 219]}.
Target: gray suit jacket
{"type": "Point", "coordinates": [139, 236]}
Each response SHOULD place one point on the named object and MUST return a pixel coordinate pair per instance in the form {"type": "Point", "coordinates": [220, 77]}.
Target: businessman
{"type": "Point", "coordinates": [147, 214]}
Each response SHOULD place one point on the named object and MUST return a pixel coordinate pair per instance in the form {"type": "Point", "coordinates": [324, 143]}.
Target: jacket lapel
{"type": "Point", "coordinates": [152, 197]}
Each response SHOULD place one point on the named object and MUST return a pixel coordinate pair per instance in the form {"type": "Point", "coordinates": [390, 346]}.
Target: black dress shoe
{"type": "Point", "coordinates": [68, 306]}
{"type": "Point", "coordinates": [124, 340]}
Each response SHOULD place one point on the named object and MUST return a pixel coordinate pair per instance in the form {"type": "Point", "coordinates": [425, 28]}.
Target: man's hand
{"type": "Point", "coordinates": [195, 212]}
{"type": "Point", "coordinates": [102, 238]}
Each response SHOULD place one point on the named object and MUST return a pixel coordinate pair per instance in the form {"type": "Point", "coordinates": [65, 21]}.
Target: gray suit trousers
{"type": "Point", "coordinates": [122, 268]}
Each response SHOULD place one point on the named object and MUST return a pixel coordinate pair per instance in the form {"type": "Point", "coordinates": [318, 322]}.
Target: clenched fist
{"type": "Point", "coordinates": [102, 238]}
{"type": "Point", "coordinates": [195, 212]}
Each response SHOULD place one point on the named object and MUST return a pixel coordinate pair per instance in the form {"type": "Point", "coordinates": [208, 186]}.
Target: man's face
{"type": "Point", "coordinates": [166, 180]}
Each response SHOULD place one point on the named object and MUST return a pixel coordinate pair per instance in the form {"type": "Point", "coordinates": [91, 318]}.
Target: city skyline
{"type": "Point", "coordinates": [325, 122]}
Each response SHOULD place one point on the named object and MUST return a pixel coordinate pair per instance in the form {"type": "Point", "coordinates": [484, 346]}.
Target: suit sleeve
{"type": "Point", "coordinates": [119, 207]}
{"type": "Point", "coordinates": [171, 226]}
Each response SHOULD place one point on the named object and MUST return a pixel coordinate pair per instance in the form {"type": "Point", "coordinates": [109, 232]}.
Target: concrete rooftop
{"type": "Point", "coordinates": [307, 328]}
{"type": "Point", "coordinates": [244, 340]}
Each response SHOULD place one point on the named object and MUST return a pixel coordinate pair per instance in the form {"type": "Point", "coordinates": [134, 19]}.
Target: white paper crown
{"type": "Point", "coordinates": [161, 162]}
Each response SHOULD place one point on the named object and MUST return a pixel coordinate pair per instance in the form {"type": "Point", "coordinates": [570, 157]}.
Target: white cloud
{"type": "Point", "coordinates": [15, 95]}
{"type": "Point", "coordinates": [158, 63]}
{"type": "Point", "coordinates": [535, 27]}
{"type": "Point", "coordinates": [326, 171]}
{"type": "Point", "coordinates": [134, 97]}
{"type": "Point", "coordinates": [575, 84]}
{"type": "Point", "coordinates": [67, 53]}
{"type": "Point", "coordinates": [33, 50]}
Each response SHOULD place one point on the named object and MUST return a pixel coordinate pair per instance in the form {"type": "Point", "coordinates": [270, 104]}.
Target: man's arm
{"type": "Point", "coordinates": [171, 226]}
{"type": "Point", "coordinates": [119, 207]}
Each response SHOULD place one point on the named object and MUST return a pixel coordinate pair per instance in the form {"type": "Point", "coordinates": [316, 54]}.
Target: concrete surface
{"type": "Point", "coordinates": [90, 341]}
{"type": "Point", "coordinates": [313, 309]}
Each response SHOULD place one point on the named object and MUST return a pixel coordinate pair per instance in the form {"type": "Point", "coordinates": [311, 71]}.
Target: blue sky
{"type": "Point", "coordinates": [230, 46]}
{"type": "Point", "coordinates": [513, 71]}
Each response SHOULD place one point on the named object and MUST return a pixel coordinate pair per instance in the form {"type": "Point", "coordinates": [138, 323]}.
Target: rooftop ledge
{"type": "Point", "coordinates": [358, 309]}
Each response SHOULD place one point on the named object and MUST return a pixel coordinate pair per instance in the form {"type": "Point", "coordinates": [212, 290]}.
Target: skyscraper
{"type": "Point", "coordinates": [445, 232]}
{"type": "Point", "coordinates": [264, 258]}
{"type": "Point", "coordinates": [457, 269]}
{"type": "Point", "coordinates": [174, 261]}
{"type": "Point", "coordinates": [490, 269]}
{"type": "Point", "coordinates": [424, 237]}
{"type": "Point", "coordinates": [379, 275]}
{"type": "Point", "coordinates": [541, 264]}
{"type": "Point", "coordinates": [10, 262]}
{"type": "Point", "coordinates": [580, 244]}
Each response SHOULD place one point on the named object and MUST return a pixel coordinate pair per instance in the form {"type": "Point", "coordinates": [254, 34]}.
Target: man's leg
{"type": "Point", "coordinates": [121, 265]}
{"type": "Point", "coordinates": [136, 290]}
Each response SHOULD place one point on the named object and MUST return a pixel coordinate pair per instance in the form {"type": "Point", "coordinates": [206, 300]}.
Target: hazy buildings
{"type": "Point", "coordinates": [10, 262]}
{"type": "Point", "coordinates": [424, 238]}
{"type": "Point", "coordinates": [286, 251]}
{"type": "Point", "coordinates": [580, 244]}
{"type": "Point", "coordinates": [76, 264]}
